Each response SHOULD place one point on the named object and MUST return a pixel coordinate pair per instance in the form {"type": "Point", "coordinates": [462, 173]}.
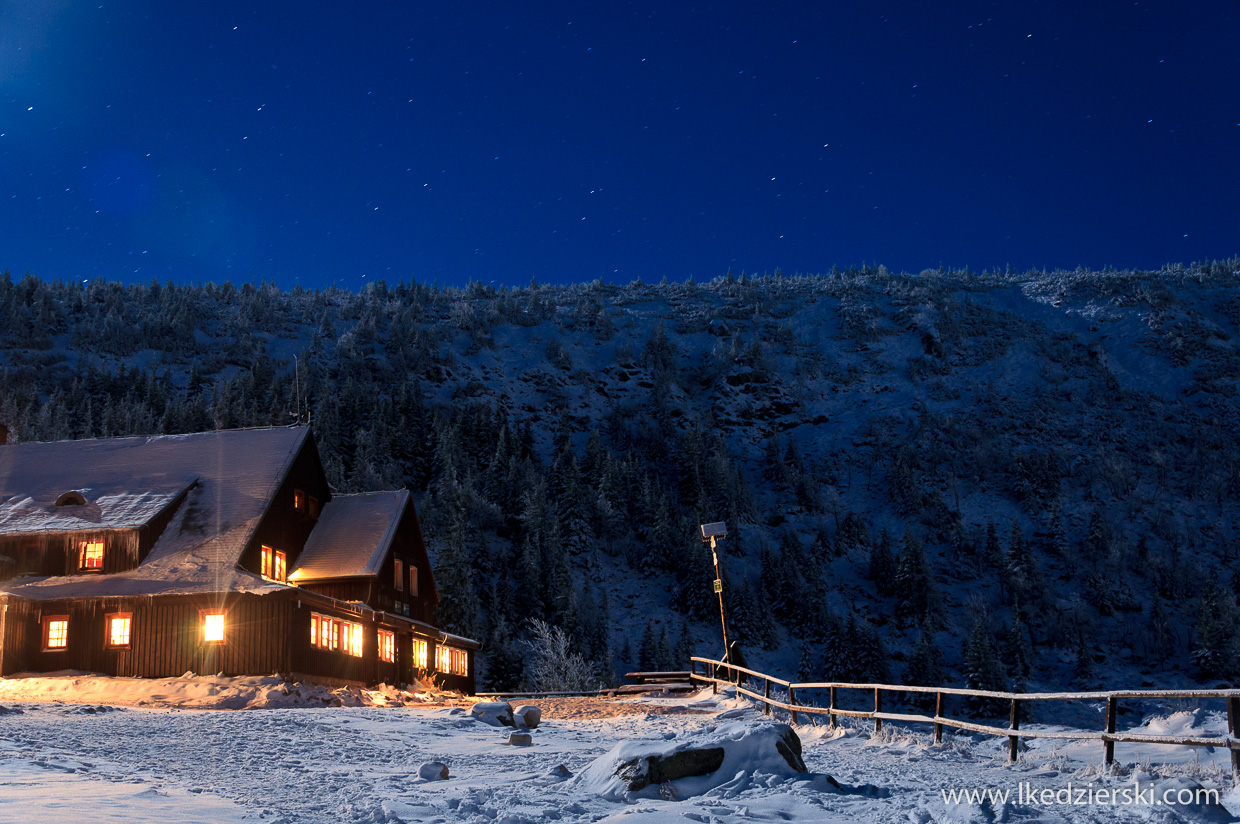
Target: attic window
{"type": "Point", "coordinates": [90, 555]}
{"type": "Point", "coordinates": [70, 498]}
{"type": "Point", "coordinates": [314, 507]}
{"type": "Point", "coordinates": [299, 500]}
{"type": "Point", "coordinates": [274, 564]}
{"type": "Point", "coordinates": [413, 580]}
{"type": "Point", "coordinates": [398, 574]}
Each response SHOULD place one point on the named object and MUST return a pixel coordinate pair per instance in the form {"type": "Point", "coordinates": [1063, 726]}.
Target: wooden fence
{"type": "Point", "coordinates": [717, 672]}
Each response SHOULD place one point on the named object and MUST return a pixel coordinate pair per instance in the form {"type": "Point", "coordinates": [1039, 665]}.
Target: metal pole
{"type": "Point", "coordinates": [727, 652]}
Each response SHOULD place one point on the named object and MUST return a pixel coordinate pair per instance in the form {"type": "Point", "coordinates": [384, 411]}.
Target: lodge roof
{"type": "Point", "coordinates": [228, 479]}
{"type": "Point", "coordinates": [349, 523]}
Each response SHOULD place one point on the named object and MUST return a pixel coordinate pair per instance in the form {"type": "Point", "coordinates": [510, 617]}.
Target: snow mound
{"type": "Point", "coordinates": [205, 692]}
{"type": "Point", "coordinates": [727, 759]}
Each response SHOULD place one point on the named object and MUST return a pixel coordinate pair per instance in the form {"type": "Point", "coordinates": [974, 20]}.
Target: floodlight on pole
{"type": "Point", "coordinates": [714, 532]}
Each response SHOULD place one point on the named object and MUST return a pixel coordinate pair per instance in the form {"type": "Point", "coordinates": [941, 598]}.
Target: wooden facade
{"type": "Point", "coordinates": [101, 620]}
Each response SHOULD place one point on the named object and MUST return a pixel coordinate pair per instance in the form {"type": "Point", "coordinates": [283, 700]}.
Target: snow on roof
{"type": "Point", "coordinates": [232, 475]}
{"type": "Point", "coordinates": [25, 515]}
{"type": "Point", "coordinates": [352, 536]}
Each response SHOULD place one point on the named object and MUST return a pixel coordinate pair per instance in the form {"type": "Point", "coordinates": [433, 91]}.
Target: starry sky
{"type": "Point", "coordinates": [326, 143]}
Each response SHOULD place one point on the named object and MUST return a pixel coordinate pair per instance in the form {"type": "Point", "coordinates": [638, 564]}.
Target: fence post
{"type": "Point", "coordinates": [792, 701]}
{"type": "Point", "coordinates": [1014, 724]}
{"type": "Point", "coordinates": [938, 713]}
{"type": "Point", "coordinates": [714, 685]}
{"type": "Point", "coordinates": [1110, 745]}
{"type": "Point", "coordinates": [766, 700]}
{"type": "Point", "coordinates": [1233, 727]}
{"type": "Point", "coordinates": [831, 708]}
{"type": "Point", "coordinates": [878, 707]}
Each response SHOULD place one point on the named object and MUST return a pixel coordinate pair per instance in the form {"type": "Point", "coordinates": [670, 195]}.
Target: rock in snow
{"type": "Point", "coordinates": [520, 739]}
{"type": "Point", "coordinates": [495, 713]}
{"type": "Point", "coordinates": [433, 771]}
{"type": "Point", "coordinates": [527, 715]}
{"type": "Point", "coordinates": [695, 763]}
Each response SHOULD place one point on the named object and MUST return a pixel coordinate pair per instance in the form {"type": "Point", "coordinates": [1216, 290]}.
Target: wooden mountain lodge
{"type": "Point", "coordinates": [218, 552]}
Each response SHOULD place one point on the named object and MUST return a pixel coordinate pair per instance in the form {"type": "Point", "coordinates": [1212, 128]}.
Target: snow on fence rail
{"type": "Point", "coordinates": [731, 676]}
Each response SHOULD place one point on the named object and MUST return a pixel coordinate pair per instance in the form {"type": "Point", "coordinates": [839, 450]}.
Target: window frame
{"type": "Point", "coordinates": [109, 636]}
{"type": "Point", "coordinates": [420, 650]}
{"type": "Point", "coordinates": [83, 546]}
{"type": "Point", "coordinates": [45, 634]}
{"type": "Point", "coordinates": [204, 620]}
{"type": "Point", "coordinates": [413, 580]}
{"type": "Point", "coordinates": [299, 500]}
{"type": "Point", "coordinates": [398, 574]}
{"type": "Point", "coordinates": [273, 564]}
{"type": "Point", "coordinates": [387, 646]}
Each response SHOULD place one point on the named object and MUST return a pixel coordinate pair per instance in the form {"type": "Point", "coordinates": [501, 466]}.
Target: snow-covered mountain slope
{"type": "Point", "coordinates": [1034, 475]}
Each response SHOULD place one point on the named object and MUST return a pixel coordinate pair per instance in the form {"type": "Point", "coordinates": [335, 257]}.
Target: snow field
{"type": "Point", "coordinates": [99, 762]}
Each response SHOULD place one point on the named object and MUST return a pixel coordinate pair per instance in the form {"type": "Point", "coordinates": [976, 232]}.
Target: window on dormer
{"type": "Point", "coordinates": [274, 565]}
{"type": "Point", "coordinates": [90, 555]}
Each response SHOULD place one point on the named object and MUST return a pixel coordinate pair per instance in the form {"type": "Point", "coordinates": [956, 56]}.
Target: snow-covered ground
{"type": "Point", "coordinates": [102, 761]}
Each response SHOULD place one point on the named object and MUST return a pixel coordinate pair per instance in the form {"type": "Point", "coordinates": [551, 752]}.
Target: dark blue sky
{"type": "Point", "coordinates": [320, 142]}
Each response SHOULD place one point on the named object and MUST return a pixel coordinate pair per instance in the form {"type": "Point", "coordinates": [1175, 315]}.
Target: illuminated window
{"type": "Point", "coordinates": [55, 632]}
{"type": "Point", "coordinates": [324, 631]}
{"type": "Point", "coordinates": [413, 580]}
{"type": "Point", "coordinates": [419, 653]}
{"type": "Point", "coordinates": [352, 637]}
{"type": "Point", "coordinates": [274, 564]}
{"type": "Point", "coordinates": [119, 625]}
{"type": "Point", "coordinates": [451, 660]}
{"type": "Point", "coordinates": [387, 645]}
{"type": "Point", "coordinates": [90, 555]}
{"type": "Point", "coordinates": [399, 575]}
{"type": "Point", "coordinates": [299, 500]}
{"type": "Point", "coordinates": [213, 627]}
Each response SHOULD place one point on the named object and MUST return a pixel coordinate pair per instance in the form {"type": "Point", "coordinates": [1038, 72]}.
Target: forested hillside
{"type": "Point", "coordinates": [947, 477]}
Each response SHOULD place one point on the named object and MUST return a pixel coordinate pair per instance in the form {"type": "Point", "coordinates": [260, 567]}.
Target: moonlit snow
{"type": "Point", "coordinates": [305, 761]}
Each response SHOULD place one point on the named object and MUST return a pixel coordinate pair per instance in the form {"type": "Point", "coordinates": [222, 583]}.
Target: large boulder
{"type": "Point", "coordinates": [694, 763]}
{"type": "Point", "coordinates": [495, 713]}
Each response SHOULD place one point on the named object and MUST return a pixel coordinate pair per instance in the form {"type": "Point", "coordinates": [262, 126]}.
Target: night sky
{"type": "Point", "coordinates": [322, 143]}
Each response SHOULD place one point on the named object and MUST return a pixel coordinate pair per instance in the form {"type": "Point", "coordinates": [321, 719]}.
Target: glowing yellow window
{"type": "Point", "coordinates": [119, 626]}
{"type": "Point", "coordinates": [274, 564]}
{"type": "Point", "coordinates": [90, 555]}
{"type": "Point", "coordinates": [419, 653]}
{"type": "Point", "coordinates": [387, 645]}
{"type": "Point", "coordinates": [353, 639]}
{"type": "Point", "coordinates": [213, 627]}
{"type": "Point", "coordinates": [55, 632]}
{"type": "Point", "coordinates": [443, 660]}
{"type": "Point", "coordinates": [299, 500]}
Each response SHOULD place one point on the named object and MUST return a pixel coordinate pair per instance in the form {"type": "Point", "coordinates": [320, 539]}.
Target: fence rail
{"type": "Point", "coordinates": [718, 673]}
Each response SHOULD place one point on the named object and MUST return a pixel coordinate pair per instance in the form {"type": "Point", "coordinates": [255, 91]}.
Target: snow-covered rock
{"type": "Point", "coordinates": [695, 763]}
{"type": "Point", "coordinates": [433, 771]}
{"type": "Point", "coordinates": [527, 715]}
{"type": "Point", "coordinates": [520, 739]}
{"type": "Point", "coordinates": [495, 713]}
